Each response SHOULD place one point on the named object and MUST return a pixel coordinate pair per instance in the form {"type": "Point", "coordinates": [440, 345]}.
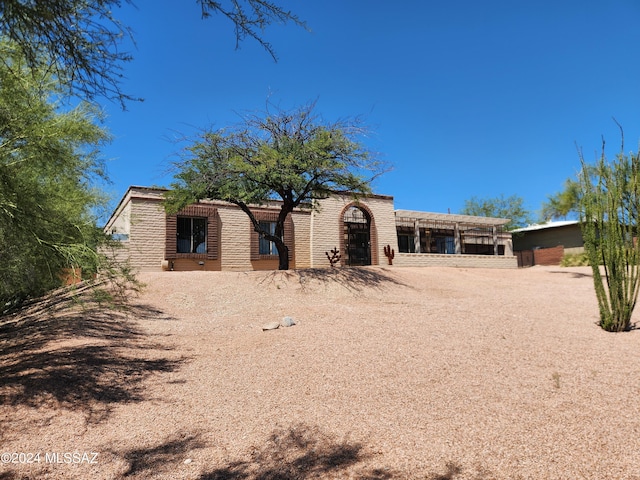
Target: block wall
{"type": "Point", "coordinates": [147, 234]}
{"type": "Point", "coordinates": [442, 260]}
{"type": "Point", "coordinates": [121, 224]}
{"type": "Point", "coordinates": [327, 227]}
{"type": "Point", "coordinates": [302, 232]}
{"type": "Point", "coordinates": [234, 245]}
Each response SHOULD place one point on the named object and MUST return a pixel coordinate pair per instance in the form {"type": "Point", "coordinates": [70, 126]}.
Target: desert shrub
{"type": "Point", "coordinates": [574, 260]}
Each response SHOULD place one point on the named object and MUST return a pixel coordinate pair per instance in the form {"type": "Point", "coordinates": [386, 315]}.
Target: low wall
{"type": "Point", "coordinates": [442, 260]}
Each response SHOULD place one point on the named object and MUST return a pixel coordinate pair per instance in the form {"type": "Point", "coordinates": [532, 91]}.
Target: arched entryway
{"type": "Point", "coordinates": [357, 236]}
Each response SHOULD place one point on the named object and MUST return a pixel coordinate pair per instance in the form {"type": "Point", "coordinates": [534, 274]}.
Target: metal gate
{"type": "Point", "coordinates": [357, 236]}
{"type": "Point", "coordinates": [358, 244]}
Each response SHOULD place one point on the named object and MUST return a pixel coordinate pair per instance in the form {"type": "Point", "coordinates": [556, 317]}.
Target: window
{"type": "Point", "coordinates": [445, 244]}
{"type": "Point", "coordinates": [406, 240]}
{"type": "Point", "coordinates": [263, 249]}
{"type": "Point", "coordinates": [406, 243]}
{"type": "Point", "coordinates": [267, 247]}
{"type": "Point", "coordinates": [192, 236]}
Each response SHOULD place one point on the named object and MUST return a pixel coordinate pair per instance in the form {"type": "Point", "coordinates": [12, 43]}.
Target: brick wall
{"type": "Point", "coordinates": [548, 256]}
{"type": "Point", "coordinates": [541, 256]}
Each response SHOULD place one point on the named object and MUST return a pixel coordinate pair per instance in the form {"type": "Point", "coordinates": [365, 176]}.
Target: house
{"type": "Point", "coordinates": [547, 243]}
{"type": "Point", "coordinates": [217, 235]}
{"type": "Point", "coordinates": [551, 234]}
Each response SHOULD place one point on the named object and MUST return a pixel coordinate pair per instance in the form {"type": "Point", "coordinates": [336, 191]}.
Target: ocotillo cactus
{"type": "Point", "coordinates": [389, 253]}
{"type": "Point", "coordinates": [334, 258]}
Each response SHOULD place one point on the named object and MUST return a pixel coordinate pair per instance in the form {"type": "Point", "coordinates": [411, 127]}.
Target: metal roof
{"type": "Point", "coordinates": [544, 226]}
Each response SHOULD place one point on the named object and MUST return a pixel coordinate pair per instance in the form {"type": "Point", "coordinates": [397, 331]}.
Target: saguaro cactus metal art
{"type": "Point", "coordinates": [389, 253]}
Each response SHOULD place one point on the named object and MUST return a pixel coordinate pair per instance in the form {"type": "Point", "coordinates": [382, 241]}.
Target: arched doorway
{"type": "Point", "coordinates": [357, 236]}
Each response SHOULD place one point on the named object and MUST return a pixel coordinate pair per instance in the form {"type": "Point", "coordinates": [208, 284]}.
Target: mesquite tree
{"type": "Point", "coordinates": [511, 207]}
{"type": "Point", "coordinates": [290, 156]}
{"type": "Point", "coordinates": [610, 194]}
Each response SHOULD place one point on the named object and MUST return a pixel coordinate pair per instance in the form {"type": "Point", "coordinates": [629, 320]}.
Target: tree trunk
{"type": "Point", "coordinates": [283, 256]}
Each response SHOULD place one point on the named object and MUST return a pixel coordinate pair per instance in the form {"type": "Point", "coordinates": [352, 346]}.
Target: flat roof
{"type": "Point", "coordinates": [544, 226]}
{"type": "Point", "coordinates": [452, 217]}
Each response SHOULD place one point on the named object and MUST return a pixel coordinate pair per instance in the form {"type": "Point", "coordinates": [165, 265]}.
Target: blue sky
{"type": "Point", "coordinates": [463, 98]}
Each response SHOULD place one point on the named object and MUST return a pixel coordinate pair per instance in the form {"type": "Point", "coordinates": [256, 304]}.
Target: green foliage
{"type": "Point", "coordinates": [610, 193]}
{"type": "Point", "coordinates": [566, 202]}
{"type": "Point", "coordinates": [290, 156]}
{"type": "Point", "coordinates": [563, 203]}
{"type": "Point", "coordinates": [499, 207]}
{"type": "Point", "coordinates": [79, 41]}
{"type": "Point", "coordinates": [574, 260]}
{"type": "Point", "coordinates": [75, 41]}
{"type": "Point", "coordinates": [48, 168]}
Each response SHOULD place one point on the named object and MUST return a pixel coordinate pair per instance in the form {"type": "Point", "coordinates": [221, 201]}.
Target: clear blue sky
{"type": "Point", "coordinates": [464, 98]}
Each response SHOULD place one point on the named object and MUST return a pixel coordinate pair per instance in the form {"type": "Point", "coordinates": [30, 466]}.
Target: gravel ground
{"type": "Point", "coordinates": [407, 373]}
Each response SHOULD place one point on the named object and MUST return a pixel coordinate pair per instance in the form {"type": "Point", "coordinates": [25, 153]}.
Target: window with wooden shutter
{"type": "Point", "coordinates": [193, 233]}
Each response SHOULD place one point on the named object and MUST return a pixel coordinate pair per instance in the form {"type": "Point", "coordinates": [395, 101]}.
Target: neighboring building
{"type": "Point", "coordinates": [552, 234]}
{"type": "Point", "coordinates": [547, 243]}
{"type": "Point", "coordinates": [217, 235]}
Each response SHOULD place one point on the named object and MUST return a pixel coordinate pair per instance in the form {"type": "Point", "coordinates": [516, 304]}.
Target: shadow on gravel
{"type": "Point", "coordinates": [298, 453]}
{"type": "Point", "coordinates": [162, 458]}
{"type": "Point", "coordinates": [573, 274]}
{"type": "Point", "coordinates": [354, 279]}
{"type": "Point", "coordinates": [84, 357]}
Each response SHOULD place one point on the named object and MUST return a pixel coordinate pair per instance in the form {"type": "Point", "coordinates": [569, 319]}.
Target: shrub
{"type": "Point", "coordinates": [574, 260]}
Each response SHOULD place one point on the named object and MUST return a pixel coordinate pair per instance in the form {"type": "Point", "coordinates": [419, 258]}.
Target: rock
{"type": "Point", "coordinates": [271, 326]}
{"type": "Point", "coordinates": [187, 461]}
{"type": "Point", "coordinates": [287, 322]}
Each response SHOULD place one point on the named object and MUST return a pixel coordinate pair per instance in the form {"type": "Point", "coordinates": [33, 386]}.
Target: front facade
{"type": "Point", "coordinates": [217, 235]}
